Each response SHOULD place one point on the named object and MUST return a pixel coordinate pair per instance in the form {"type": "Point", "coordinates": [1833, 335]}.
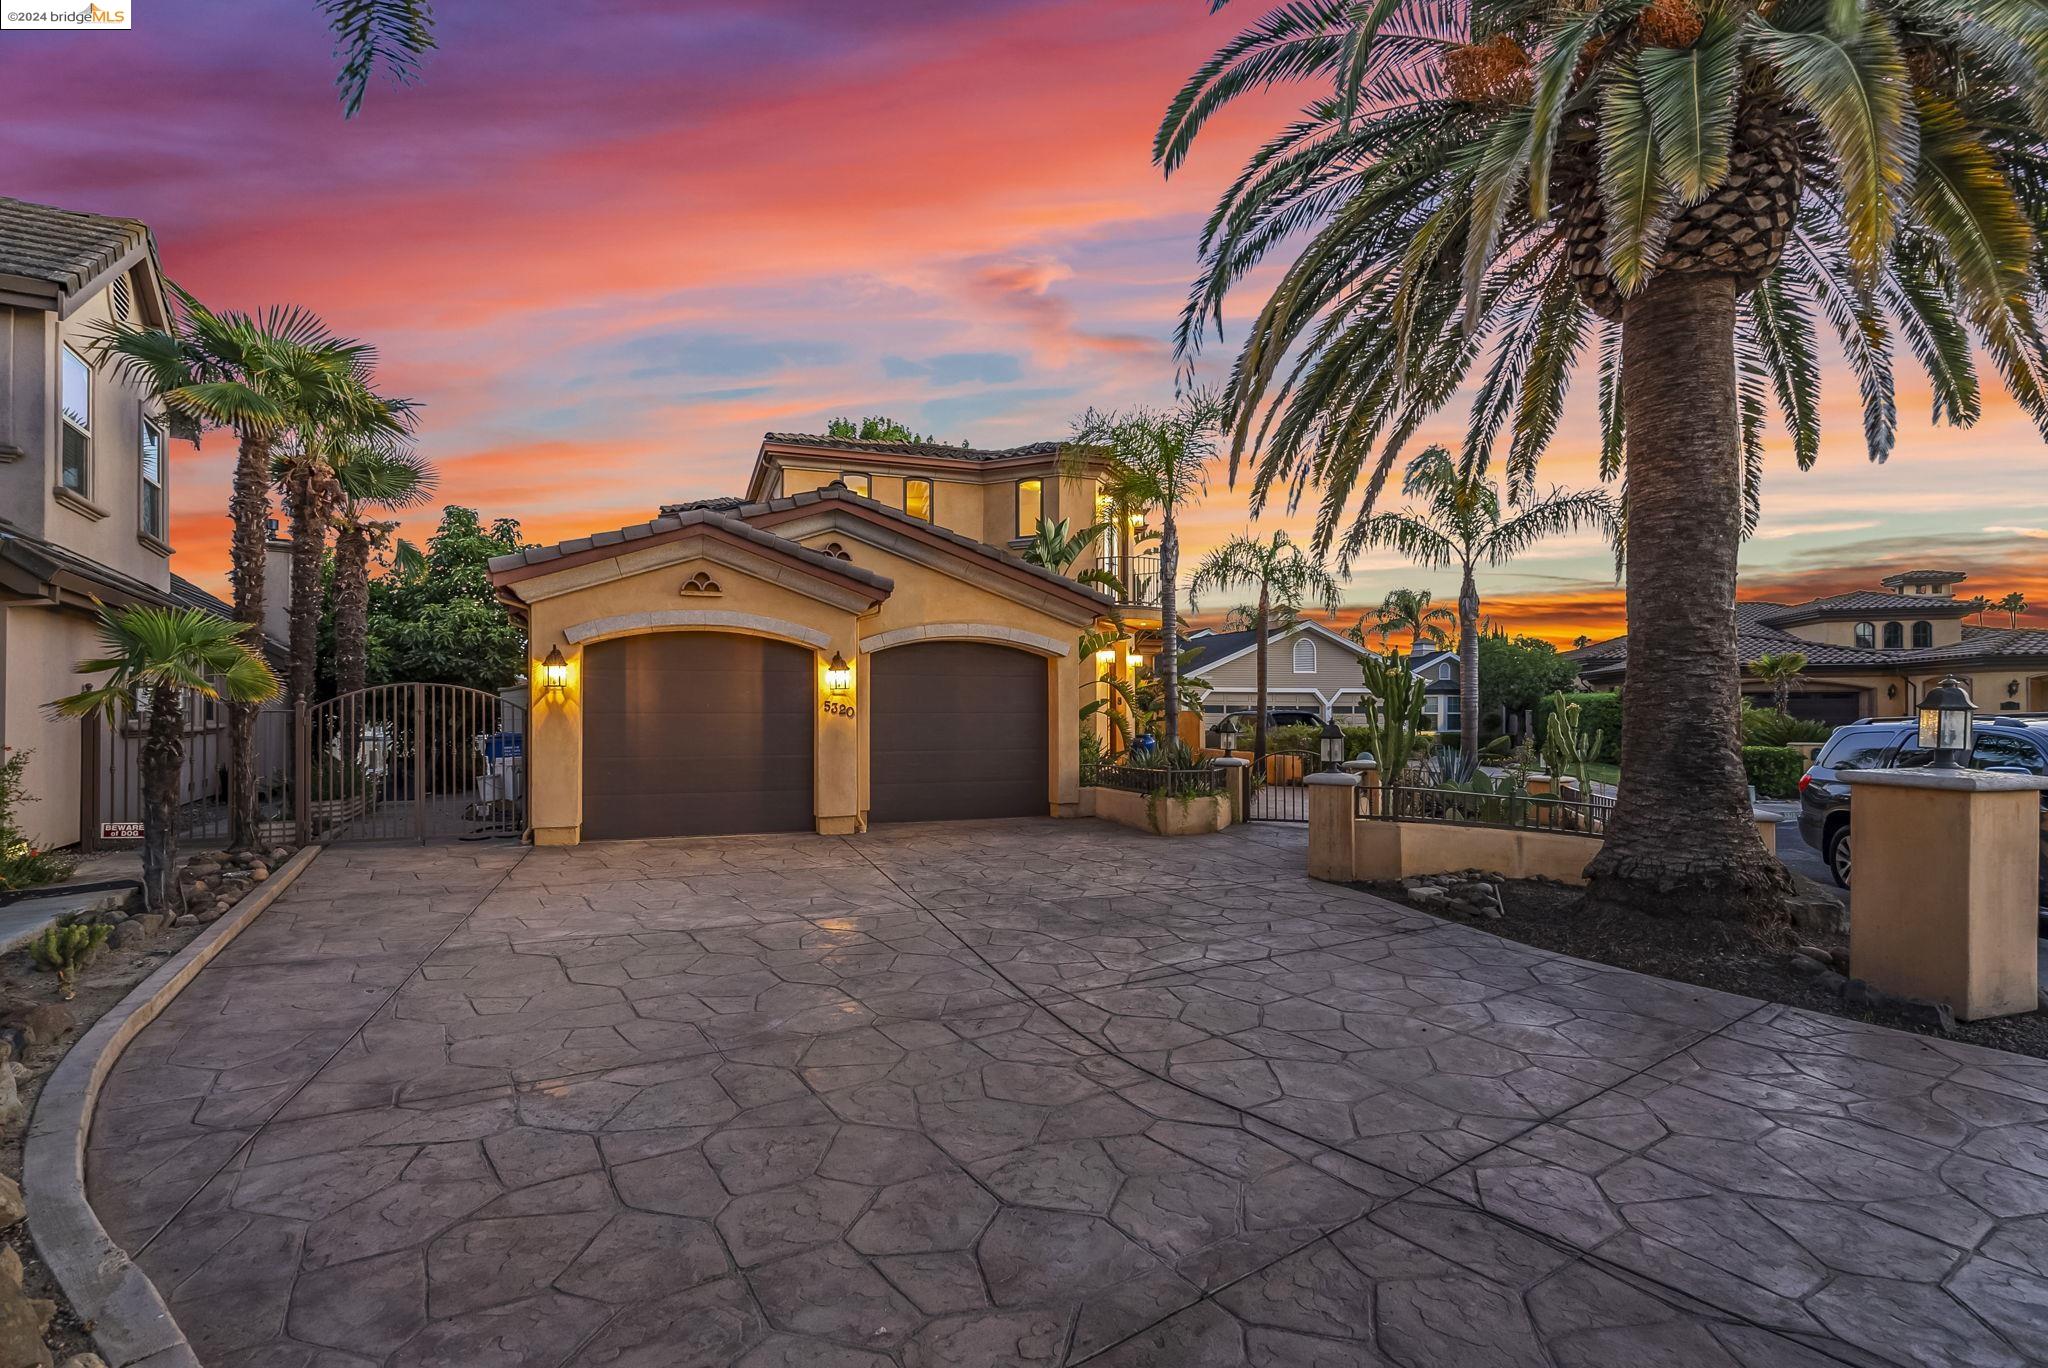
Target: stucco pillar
{"type": "Point", "coordinates": [1946, 885]}
{"type": "Point", "coordinates": [1063, 678]}
{"type": "Point", "coordinates": [1237, 773]}
{"type": "Point", "coordinates": [554, 748]}
{"type": "Point", "coordinates": [1332, 812]}
{"type": "Point", "coordinates": [840, 748]}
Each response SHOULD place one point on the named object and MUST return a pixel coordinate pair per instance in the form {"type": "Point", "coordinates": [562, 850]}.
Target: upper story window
{"type": "Point", "coordinates": [1304, 656]}
{"type": "Point", "coordinates": [1866, 634]}
{"type": "Point", "coordinates": [1923, 634]}
{"type": "Point", "coordinates": [152, 480]}
{"type": "Point", "coordinates": [74, 398]}
{"type": "Point", "coordinates": [857, 482]}
{"type": "Point", "coordinates": [917, 498]}
{"type": "Point", "coordinates": [1030, 506]}
{"type": "Point", "coordinates": [1894, 636]}
{"type": "Point", "coordinates": [1444, 670]}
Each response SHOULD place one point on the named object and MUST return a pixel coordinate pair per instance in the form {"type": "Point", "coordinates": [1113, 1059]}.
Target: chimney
{"type": "Point", "coordinates": [277, 585]}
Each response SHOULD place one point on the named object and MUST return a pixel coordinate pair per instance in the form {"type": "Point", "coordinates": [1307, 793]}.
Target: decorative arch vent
{"type": "Point", "coordinates": [701, 584]}
{"type": "Point", "coordinates": [835, 551]}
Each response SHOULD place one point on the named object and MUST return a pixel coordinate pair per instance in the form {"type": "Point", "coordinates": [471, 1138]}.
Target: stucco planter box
{"type": "Point", "coordinates": [1162, 816]}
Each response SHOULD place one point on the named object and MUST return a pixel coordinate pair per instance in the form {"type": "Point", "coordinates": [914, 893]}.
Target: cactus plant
{"type": "Point", "coordinates": [1393, 714]}
{"type": "Point", "coordinates": [64, 948]}
{"type": "Point", "coordinates": [1566, 749]}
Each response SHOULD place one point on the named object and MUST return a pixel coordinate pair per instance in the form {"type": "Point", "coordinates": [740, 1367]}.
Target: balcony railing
{"type": "Point", "coordinates": [1138, 576]}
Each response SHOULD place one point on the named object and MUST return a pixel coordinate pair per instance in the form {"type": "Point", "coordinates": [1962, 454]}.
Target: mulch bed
{"type": "Point", "coordinates": [1720, 955]}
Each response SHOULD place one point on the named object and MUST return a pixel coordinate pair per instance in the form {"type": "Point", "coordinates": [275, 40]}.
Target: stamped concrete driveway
{"type": "Point", "coordinates": [1032, 1093]}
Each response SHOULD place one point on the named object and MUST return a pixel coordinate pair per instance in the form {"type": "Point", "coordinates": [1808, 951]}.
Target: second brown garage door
{"type": "Point", "coordinates": [956, 729]}
{"type": "Point", "coordinates": [696, 734]}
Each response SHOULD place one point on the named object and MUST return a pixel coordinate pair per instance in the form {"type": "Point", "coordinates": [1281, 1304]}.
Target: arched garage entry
{"type": "Point", "coordinates": [956, 729]}
{"type": "Point", "coordinates": [696, 734]}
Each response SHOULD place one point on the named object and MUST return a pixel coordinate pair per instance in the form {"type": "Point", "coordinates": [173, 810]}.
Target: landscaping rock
{"type": "Point", "coordinates": [22, 1322]}
{"type": "Point", "coordinates": [131, 932]}
{"type": "Point", "coordinates": [1429, 897]}
{"type": "Point", "coordinates": [1817, 914]}
{"type": "Point", "coordinates": [1804, 964]}
{"type": "Point", "coordinates": [187, 920]}
{"type": "Point", "coordinates": [1831, 981]}
{"type": "Point", "coordinates": [39, 1023]}
{"type": "Point", "coordinates": [12, 1108]}
{"type": "Point", "coordinates": [259, 872]}
{"type": "Point", "coordinates": [12, 1209]}
{"type": "Point", "coordinates": [84, 1361]}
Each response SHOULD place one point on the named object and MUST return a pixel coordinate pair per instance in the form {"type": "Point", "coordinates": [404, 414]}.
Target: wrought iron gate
{"type": "Point", "coordinates": [1277, 792]}
{"type": "Point", "coordinates": [110, 788]}
{"type": "Point", "coordinates": [411, 762]}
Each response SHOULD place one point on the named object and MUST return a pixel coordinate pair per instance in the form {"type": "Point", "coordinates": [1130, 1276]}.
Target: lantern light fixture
{"type": "Point", "coordinates": [1946, 721]}
{"type": "Point", "coordinates": [838, 676]}
{"type": "Point", "coordinates": [1332, 744]}
{"type": "Point", "coordinates": [1226, 732]}
{"type": "Point", "coordinates": [554, 673]}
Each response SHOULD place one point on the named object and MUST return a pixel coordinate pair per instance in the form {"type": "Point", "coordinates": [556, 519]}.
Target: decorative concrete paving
{"type": "Point", "coordinates": [1031, 1093]}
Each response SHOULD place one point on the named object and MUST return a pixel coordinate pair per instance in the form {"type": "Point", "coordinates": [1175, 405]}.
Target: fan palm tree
{"type": "Point", "coordinates": [258, 376]}
{"type": "Point", "coordinates": [1781, 670]}
{"type": "Point", "coordinates": [1147, 459]}
{"type": "Point", "coordinates": [343, 417]}
{"type": "Point", "coordinates": [2012, 605]}
{"type": "Point", "coordinates": [1457, 524]}
{"type": "Point", "coordinates": [1410, 611]}
{"type": "Point", "coordinates": [371, 481]}
{"type": "Point", "coordinates": [389, 34]}
{"type": "Point", "coordinates": [154, 657]}
{"type": "Point", "coordinates": [1705, 184]}
{"type": "Point", "coordinates": [1286, 577]}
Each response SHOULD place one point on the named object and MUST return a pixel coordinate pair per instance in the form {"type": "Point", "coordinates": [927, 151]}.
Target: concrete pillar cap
{"type": "Point", "coordinates": [1325, 777]}
{"type": "Point", "coordinates": [1951, 780]}
{"type": "Point", "coordinates": [1231, 760]}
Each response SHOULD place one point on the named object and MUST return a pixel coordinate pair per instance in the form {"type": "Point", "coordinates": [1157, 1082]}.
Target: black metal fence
{"type": "Point", "coordinates": [1478, 807]}
{"type": "Point", "coordinates": [1278, 793]}
{"type": "Point", "coordinates": [111, 797]}
{"type": "Point", "coordinates": [1178, 783]}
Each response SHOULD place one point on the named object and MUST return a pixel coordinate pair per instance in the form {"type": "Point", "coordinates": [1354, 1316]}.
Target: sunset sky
{"type": "Point", "coordinates": [606, 246]}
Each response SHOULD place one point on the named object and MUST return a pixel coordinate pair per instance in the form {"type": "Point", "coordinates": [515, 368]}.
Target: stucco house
{"type": "Point", "coordinates": [85, 488]}
{"type": "Point", "coordinates": [1309, 668]}
{"type": "Point", "coordinates": [1874, 652]}
{"type": "Point", "coordinates": [854, 641]}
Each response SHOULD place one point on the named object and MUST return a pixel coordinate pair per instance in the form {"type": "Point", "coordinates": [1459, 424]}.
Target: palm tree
{"type": "Point", "coordinates": [1706, 184]}
{"type": "Point", "coordinates": [1458, 525]}
{"type": "Point", "coordinates": [2012, 605]}
{"type": "Point", "coordinates": [1978, 607]}
{"type": "Point", "coordinates": [342, 417]}
{"type": "Point", "coordinates": [1286, 576]}
{"type": "Point", "coordinates": [154, 657]}
{"type": "Point", "coordinates": [1153, 458]}
{"type": "Point", "coordinates": [370, 481]}
{"type": "Point", "coordinates": [1781, 670]}
{"type": "Point", "coordinates": [392, 34]}
{"type": "Point", "coordinates": [1410, 611]}
{"type": "Point", "coordinates": [256, 375]}
{"type": "Point", "coordinates": [1581, 642]}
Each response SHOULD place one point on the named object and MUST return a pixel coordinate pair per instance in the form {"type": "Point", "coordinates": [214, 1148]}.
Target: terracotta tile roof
{"type": "Point", "coordinates": [1871, 601]}
{"type": "Point", "coordinates": [624, 537]}
{"type": "Point", "coordinates": [61, 247]}
{"type": "Point", "coordinates": [938, 450]}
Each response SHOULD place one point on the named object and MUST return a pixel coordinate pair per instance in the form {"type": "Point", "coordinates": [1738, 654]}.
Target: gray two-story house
{"type": "Point", "coordinates": [85, 493]}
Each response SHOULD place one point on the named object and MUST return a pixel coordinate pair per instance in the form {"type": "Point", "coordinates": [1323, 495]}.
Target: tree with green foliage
{"type": "Point", "coordinates": [1781, 670]}
{"type": "Point", "coordinates": [1286, 577]}
{"type": "Point", "coordinates": [369, 483]}
{"type": "Point", "coordinates": [1474, 190]}
{"type": "Point", "coordinates": [1407, 610]}
{"type": "Point", "coordinates": [1517, 673]}
{"type": "Point", "coordinates": [2012, 605]}
{"type": "Point", "coordinates": [373, 35]}
{"type": "Point", "coordinates": [434, 616]}
{"type": "Point", "coordinates": [875, 428]}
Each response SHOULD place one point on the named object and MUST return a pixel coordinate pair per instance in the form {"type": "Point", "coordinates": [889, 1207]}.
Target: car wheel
{"type": "Point", "coordinates": [1838, 857]}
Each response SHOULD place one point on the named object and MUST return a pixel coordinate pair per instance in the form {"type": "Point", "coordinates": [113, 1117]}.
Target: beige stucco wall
{"type": "Point", "coordinates": [1161, 817]}
{"type": "Point", "coordinates": [1947, 631]}
{"type": "Point", "coordinates": [632, 591]}
{"type": "Point", "coordinates": [38, 648]}
{"type": "Point", "coordinates": [983, 507]}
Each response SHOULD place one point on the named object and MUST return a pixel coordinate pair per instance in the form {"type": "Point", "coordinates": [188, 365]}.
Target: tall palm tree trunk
{"type": "Point", "coordinates": [309, 543]}
{"type": "Point", "coordinates": [1169, 593]}
{"type": "Point", "coordinates": [163, 757]}
{"type": "Point", "coordinates": [250, 508]}
{"type": "Point", "coordinates": [1468, 667]}
{"type": "Point", "coordinates": [1681, 840]}
{"type": "Point", "coordinates": [351, 608]}
{"type": "Point", "coordinates": [1259, 629]}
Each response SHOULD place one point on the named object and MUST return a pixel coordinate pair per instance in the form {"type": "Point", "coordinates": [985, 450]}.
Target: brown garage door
{"type": "Point", "coordinates": [956, 729]}
{"type": "Point", "coordinates": [696, 734]}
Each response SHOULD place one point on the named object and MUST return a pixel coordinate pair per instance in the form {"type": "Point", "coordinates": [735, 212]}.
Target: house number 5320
{"type": "Point", "coordinates": [838, 709]}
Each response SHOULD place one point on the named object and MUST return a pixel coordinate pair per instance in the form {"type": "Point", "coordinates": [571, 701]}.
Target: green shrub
{"type": "Point", "coordinates": [1769, 727]}
{"type": "Point", "coordinates": [1775, 770]}
{"type": "Point", "coordinates": [1598, 712]}
{"type": "Point", "coordinates": [22, 865]}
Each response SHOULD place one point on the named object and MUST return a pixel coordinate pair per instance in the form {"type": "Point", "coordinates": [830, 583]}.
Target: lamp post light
{"type": "Point", "coordinates": [1946, 720]}
{"type": "Point", "coordinates": [1332, 744]}
{"type": "Point", "coordinates": [1226, 732]}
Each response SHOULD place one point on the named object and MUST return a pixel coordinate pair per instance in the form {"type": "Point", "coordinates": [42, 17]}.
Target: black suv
{"type": "Point", "coordinates": [2004, 742]}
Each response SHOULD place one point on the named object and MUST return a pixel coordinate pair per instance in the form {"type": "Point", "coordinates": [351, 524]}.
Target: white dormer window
{"type": "Point", "coordinates": [1304, 656]}
{"type": "Point", "coordinates": [1443, 671]}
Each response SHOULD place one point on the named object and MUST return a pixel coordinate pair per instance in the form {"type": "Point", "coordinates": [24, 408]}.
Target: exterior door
{"type": "Point", "coordinates": [956, 729]}
{"type": "Point", "coordinates": [696, 734]}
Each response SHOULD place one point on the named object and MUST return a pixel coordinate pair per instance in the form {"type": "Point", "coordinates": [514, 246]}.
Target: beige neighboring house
{"type": "Point", "coordinates": [1874, 652]}
{"type": "Point", "coordinates": [85, 491]}
{"type": "Point", "coordinates": [1310, 668]}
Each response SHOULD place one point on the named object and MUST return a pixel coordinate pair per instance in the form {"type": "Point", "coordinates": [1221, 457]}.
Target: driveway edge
{"type": "Point", "coordinates": [130, 1323]}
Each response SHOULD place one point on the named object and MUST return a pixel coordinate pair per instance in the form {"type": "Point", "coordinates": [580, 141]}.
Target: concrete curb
{"type": "Point", "coordinates": [130, 1323]}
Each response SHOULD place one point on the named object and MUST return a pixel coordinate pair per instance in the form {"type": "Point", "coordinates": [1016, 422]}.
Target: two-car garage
{"type": "Point", "coordinates": [711, 733]}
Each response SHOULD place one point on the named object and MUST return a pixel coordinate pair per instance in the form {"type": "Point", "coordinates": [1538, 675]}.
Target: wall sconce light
{"type": "Point", "coordinates": [1891, 691]}
{"type": "Point", "coordinates": [554, 673]}
{"type": "Point", "coordinates": [1106, 656]}
{"type": "Point", "coordinates": [838, 677]}
{"type": "Point", "coordinates": [2012, 688]}
{"type": "Point", "coordinates": [1132, 661]}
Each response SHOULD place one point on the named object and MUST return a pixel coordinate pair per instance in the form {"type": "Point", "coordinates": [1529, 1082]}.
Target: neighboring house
{"type": "Point", "coordinates": [809, 658]}
{"type": "Point", "coordinates": [1873, 653]}
{"type": "Point", "coordinates": [85, 490]}
{"type": "Point", "coordinates": [1310, 668]}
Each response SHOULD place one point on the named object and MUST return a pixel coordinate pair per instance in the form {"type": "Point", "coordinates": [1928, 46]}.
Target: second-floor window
{"type": "Point", "coordinates": [1923, 634]}
{"type": "Point", "coordinates": [74, 398]}
{"type": "Point", "coordinates": [857, 482]}
{"type": "Point", "coordinates": [153, 480]}
{"type": "Point", "coordinates": [1304, 656]}
{"type": "Point", "coordinates": [1030, 506]}
{"type": "Point", "coordinates": [1866, 634]}
{"type": "Point", "coordinates": [1894, 636]}
{"type": "Point", "coordinates": [917, 499]}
